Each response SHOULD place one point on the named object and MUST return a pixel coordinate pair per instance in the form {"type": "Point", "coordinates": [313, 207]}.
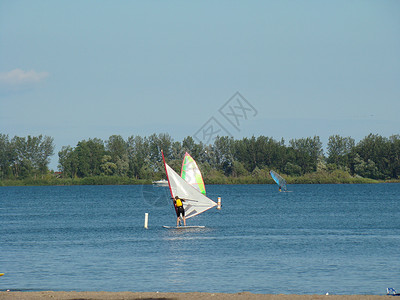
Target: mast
{"type": "Point", "coordinates": [165, 166]}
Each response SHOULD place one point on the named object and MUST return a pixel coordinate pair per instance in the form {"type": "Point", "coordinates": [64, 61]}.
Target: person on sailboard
{"type": "Point", "coordinates": [280, 188]}
{"type": "Point", "coordinates": [179, 210]}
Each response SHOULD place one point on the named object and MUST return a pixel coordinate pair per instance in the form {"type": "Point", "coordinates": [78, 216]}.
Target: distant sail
{"type": "Point", "coordinates": [195, 202]}
{"type": "Point", "coordinates": [191, 173]}
{"type": "Point", "coordinates": [278, 179]}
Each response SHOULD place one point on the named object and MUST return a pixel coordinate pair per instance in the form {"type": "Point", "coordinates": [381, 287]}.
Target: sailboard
{"type": "Point", "coordinates": [280, 181]}
{"type": "Point", "coordinates": [195, 202]}
{"type": "Point", "coordinates": [184, 227]}
{"type": "Point", "coordinates": [191, 173]}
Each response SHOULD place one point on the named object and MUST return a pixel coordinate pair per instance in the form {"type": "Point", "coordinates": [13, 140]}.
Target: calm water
{"type": "Point", "coordinates": [341, 239]}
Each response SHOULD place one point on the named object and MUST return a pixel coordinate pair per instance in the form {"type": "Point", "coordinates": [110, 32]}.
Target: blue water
{"type": "Point", "coordinates": [341, 239]}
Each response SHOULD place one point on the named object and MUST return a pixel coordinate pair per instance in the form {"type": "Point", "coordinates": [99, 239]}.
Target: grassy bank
{"type": "Point", "coordinates": [97, 180]}
{"type": "Point", "coordinates": [320, 177]}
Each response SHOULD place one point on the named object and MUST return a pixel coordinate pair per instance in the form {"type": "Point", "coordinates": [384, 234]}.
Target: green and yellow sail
{"type": "Point", "coordinates": [191, 173]}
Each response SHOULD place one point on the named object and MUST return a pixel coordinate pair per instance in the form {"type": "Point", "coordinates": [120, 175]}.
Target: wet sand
{"type": "Point", "coordinates": [173, 296]}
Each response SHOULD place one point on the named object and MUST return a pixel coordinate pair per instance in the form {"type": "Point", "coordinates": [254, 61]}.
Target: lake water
{"type": "Point", "coordinates": [341, 239]}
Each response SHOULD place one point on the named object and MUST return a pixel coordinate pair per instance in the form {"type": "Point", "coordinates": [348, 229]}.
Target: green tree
{"type": "Point", "coordinates": [394, 156]}
{"type": "Point", "coordinates": [208, 158]}
{"type": "Point", "coordinates": [190, 146]}
{"type": "Point", "coordinates": [107, 167]}
{"type": "Point", "coordinates": [138, 156]}
{"type": "Point", "coordinates": [238, 169]}
{"type": "Point", "coordinates": [366, 169]}
{"type": "Point", "coordinates": [5, 156]}
{"type": "Point", "coordinates": [292, 169]}
{"type": "Point", "coordinates": [157, 143]}
{"type": "Point", "coordinates": [89, 154]}
{"type": "Point", "coordinates": [177, 151]}
{"type": "Point", "coordinates": [116, 147]}
{"type": "Point", "coordinates": [31, 155]}
{"type": "Point", "coordinates": [245, 151]}
{"type": "Point", "coordinates": [118, 150]}
{"type": "Point", "coordinates": [307, 151]}
{"type": "Point", "coordinates": [270, 153]}
{"type": "Point", "coordinates": [19, 154]}
{"type": "Point", "coordinates": [223, 150]}
{"type": "Point", "coordinates": [339, 150]}
{"type": "Point", "coordinates": [375, 148]}
{"type": "Point", "coordinates": [68, 162]}
{"type": "Point", "coordinates": [46, 147]}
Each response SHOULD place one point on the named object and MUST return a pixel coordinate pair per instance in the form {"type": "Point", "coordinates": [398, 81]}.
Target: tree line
{"type": "Point", "coordinates": [138, 157]}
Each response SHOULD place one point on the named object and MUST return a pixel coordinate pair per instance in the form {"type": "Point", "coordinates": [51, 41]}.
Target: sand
{"type": "Point", "coordinates": [173, 296]}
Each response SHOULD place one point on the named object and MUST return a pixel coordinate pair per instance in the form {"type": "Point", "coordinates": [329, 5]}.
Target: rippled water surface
{"type": "Point", "coordinates": [341, 239]}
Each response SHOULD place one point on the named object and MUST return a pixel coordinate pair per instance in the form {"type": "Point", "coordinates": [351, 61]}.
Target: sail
{"type": "Point", "coordinates": [195, 202]}
{"type": "Point", "coordinates": [191, 173]}
{"type": "Point", "coordinates": [278, 179]}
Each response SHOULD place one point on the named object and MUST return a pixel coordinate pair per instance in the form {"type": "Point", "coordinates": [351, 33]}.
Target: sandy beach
{"type": "Point", "coordinates": [173, 296]}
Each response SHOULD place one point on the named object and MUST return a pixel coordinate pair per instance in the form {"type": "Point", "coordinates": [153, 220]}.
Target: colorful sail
{"type": "Point", "coordinates": [191, 173]}
{"type": "Point", "coordinates": [195, 202]}
{"type": "Point", "coordinates": [278, 179]}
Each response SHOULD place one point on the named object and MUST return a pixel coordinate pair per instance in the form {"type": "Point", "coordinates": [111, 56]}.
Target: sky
{"type": "Point", "coordinates": [75, 70]}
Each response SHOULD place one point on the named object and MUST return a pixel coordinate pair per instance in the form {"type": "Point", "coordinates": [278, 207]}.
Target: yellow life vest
{"type": "Point", "coordinates": [178, 202]}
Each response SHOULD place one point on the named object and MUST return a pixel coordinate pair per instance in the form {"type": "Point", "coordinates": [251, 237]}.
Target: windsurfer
{"type": "Point", "coordinates": [179, 211]}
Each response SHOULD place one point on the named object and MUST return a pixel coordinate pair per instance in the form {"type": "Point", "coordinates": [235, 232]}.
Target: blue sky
{"type": "Point", "coordinates": [75, 70]}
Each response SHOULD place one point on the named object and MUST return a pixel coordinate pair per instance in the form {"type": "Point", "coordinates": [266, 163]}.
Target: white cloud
{"type": "Point", "coordinates": [18, 77]}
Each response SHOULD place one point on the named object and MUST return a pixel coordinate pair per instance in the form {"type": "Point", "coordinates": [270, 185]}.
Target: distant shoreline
{"type": "Point", "coordinates": [176, 296]}
{"type": "Point", "coordinates": [310, 178]}
{"type": "Point", "coordinates": [127, 181]}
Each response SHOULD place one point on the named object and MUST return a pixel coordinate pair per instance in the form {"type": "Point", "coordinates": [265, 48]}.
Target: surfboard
{"type": "Point", "coordinates": [183, 227]}
{"type": "Point", "coordinates": [1, 274]}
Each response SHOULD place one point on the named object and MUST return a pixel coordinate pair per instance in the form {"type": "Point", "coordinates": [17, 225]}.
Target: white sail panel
{"type": "Point", "coordinates": [195, 202]}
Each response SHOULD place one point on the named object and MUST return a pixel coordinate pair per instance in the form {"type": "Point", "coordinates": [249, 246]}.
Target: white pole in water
{"type": "Point", "coordinates": [219, 203]}
{"type": "Point", "coordinates": [146, 220]}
